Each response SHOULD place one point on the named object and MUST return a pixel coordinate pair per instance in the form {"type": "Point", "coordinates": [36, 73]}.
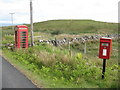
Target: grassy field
{"type": "Point", "coordinates": [53, 67]}
{"type": "Point", "coordinates": [92, 51]}
{"type": "Point", "coordinates": [56, 69]}
{"type": "Point", "coordinates": [56, 27]}
{"type": "Point", "coordinates": [75, 27]}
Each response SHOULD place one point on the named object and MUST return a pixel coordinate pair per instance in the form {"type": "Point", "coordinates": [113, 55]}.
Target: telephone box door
{"type": "Point", "coordinates": [21, 36]}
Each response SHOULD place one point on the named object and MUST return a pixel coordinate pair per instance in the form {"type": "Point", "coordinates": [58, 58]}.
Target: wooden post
{"type": "Point", "coordinates": [84, 47]}
{"type": "Point", "coordinates": [104, 65]}
{"type": "Point", "coordinates": [69, 48]}
{"type": "Point", "coordinates": [31, 22]}
{"type": "Point", "coordinates": [56, 44]}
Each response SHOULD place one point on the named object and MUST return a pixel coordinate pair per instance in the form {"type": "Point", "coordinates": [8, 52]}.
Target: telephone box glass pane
{"type": "Point", "coordinates": [23, 37]}
{"type": "Point", "coordinates": [23, 40]}
{"type": "Point", "coordinates": [23, 45]}
{"type": "Point", "coordinates": [23, 33]}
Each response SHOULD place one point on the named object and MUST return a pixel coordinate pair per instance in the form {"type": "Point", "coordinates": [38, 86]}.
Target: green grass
{"type": "Point", "coordinates": [92, 51]}
{"type": "Point", "coordinates": [75, 27]}
{"type": "Point", "coordinates": [54, 68]}
{"type": "Point", "coordinates": [56, 27]}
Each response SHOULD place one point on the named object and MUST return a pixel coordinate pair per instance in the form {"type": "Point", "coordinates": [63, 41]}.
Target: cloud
{"type": "Point", "coordinates": [4, 18]}
{"type": "Point", "coordinates": [7, 1]}
{"type": "Point", "coordinates": [100, 10]}
{"type": "Point", "coordinates": [103, 10]}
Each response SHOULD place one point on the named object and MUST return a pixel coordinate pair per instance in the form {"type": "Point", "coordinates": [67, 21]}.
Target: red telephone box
{"type": "Point", "coordinates": [105, 48]}
{"type": "Point", "coordinates": [21, 36]}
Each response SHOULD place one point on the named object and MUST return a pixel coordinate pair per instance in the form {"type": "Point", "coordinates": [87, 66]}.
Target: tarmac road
{"type": "Point", "coordinates": [12, 78]}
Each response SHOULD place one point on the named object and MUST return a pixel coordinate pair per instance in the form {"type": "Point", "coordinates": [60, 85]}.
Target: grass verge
{"type": "Point", "coordinates": [50, 67]}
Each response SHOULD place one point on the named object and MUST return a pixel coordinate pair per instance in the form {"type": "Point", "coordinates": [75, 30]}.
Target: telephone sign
{"type": "Point", "coordinates": [21, 36]}
{"type": "Point", "coordinates": [105, 48]}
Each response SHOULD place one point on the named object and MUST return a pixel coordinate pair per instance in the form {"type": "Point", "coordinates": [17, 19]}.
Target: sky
{"type": "Point", "coordinates": [43, 10]}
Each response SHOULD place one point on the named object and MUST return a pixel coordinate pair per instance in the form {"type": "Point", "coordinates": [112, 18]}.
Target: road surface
{"type": "Point", "coordinates": [12, 78]}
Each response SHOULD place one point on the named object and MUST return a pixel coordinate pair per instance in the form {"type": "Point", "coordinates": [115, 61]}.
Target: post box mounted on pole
{"type": "Point", "coordinates": [105, 51]}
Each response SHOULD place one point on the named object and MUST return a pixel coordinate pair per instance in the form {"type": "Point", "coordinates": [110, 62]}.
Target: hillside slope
{"type": "Point", "coordinates": [74, 27]}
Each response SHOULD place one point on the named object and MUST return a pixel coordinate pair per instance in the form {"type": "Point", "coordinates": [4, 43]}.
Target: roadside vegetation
{"type": "Point", "coordinates": [60, 69]}
{"type": "Point", "coordinates": [53, 67]}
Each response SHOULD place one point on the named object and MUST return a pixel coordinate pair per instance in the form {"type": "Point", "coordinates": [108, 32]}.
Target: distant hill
{"type": "Point", "coordinates": [75, 27]}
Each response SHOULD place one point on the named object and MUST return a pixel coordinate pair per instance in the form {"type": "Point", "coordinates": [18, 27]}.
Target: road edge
{"type": "Point", "coordinates": [20, 70]}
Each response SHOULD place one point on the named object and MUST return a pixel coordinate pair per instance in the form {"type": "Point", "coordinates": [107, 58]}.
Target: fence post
{"type": "Point", "coordinates": [69, 48]}
{"type": "Point", "coordinates": [56, 44]}
{"type": "Point", "coordinates": [84, 47]}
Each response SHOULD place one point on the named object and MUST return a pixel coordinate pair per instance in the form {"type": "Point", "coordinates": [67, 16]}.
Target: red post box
{"type": "Point", "coordinates": [21, 36]}
{"type": "Point", "coordinates": [105, 48]}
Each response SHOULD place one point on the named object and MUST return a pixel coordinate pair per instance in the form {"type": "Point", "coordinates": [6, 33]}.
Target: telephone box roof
{"type": "Point", "coordinates": [21, 26]}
